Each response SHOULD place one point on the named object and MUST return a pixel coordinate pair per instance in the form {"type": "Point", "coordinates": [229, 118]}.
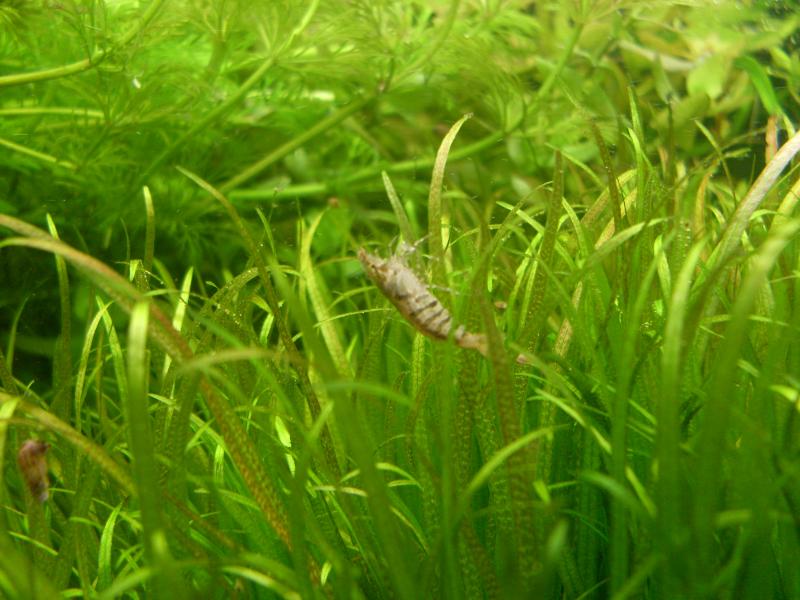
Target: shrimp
{"type": "Point", "coordinates": [416, 303]}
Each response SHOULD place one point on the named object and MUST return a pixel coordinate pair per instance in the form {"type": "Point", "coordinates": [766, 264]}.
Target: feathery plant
{"type": "Point", "coordinates": [234, 410]}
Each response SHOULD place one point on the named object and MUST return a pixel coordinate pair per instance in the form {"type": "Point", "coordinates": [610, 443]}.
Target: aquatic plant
{"type": "Point", "coordinates": [231, 408]}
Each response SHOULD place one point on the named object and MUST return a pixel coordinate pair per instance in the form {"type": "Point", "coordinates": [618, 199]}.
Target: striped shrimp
{"type": "Point", "coordinates": [415, 301]}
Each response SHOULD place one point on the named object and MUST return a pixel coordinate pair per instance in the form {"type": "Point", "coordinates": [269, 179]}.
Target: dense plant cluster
{"type": "Point", "coordinates": [203, 395]}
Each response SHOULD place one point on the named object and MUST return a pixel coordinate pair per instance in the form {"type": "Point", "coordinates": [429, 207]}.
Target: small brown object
{"type": "Point", "coordinates": [33, 464]}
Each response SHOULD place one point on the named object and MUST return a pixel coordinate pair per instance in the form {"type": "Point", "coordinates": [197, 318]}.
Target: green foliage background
{"type": "Point", "coordinates": [234, 410]}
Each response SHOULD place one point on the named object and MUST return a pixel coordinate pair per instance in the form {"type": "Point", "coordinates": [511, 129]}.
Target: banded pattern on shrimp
{"type": "Point", "coordinates": [414, 300]}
